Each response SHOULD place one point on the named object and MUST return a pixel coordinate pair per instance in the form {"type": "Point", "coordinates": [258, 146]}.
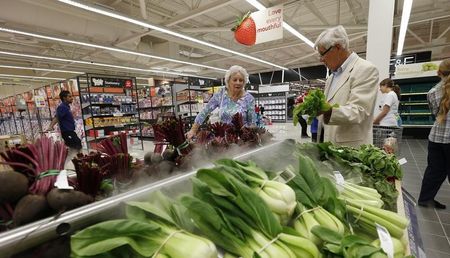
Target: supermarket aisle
{"type": "Point", "coordinates": [434, 224]}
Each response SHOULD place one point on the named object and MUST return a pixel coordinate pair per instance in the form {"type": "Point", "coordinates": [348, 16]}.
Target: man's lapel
{"type": "Point", "coordinates": [344, 77]}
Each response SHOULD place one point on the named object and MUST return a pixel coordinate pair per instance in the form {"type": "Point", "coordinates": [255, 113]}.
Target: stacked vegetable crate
{"type": "Point", "coordinates": [171, 187]}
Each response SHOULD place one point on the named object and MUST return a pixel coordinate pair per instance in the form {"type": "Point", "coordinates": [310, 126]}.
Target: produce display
{"type": "Point", "coordinates": [252, 208]}
{"type": "Point", "coordinates": [241, 210]}
{"type": "Point", "coordinates": [313, 103]}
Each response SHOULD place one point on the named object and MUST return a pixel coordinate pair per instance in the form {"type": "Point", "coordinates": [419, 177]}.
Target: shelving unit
{"type": "Point", "coordinates": [275, 105]}
{"type": "Point", "coordinates": [155, 102]}
{"type": "Point", "coordinates": [189, 102]}
{"type": "Point", "coordinates": [109, 105]}
{"type": "Point", "coordinates": [414, 110]}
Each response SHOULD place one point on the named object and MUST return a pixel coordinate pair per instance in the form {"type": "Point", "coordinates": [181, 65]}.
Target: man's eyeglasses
{"type": "Point", "coordinates": [325, 52]}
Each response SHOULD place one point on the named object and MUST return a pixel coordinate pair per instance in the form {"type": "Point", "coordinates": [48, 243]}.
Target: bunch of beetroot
{"type": "Point", "coordinates": [120, 160]}
{"type": "Point", "coordinates": [171, 132]}
{"type": "Point", "coordinates": [28, 194]}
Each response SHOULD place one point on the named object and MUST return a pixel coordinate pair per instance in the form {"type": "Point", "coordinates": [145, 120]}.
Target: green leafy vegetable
{"type": "Point", "coordinates": [313, 103]}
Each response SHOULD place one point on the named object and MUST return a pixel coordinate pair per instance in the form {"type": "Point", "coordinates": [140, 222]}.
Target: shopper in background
{"type": "Point", "coordinates": [229, 100]}
{"type": "Point", "coordinates": [388, 107]}
{"type": "Point", "coordinates": [66, 122]}
{"type": "Point", "coordinates": [352, 85]}
{"type": "Point", "coordinates": [438, 141]}
{"type": "Point", "coordinates": [301, 120]}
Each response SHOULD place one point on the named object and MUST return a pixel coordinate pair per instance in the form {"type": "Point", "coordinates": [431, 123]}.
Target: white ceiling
{"type": "Point", "coordinates": [207, 20]}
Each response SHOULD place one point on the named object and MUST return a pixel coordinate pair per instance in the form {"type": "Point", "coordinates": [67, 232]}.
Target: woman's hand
{"type": "Point", "coordinates": [190, 134]}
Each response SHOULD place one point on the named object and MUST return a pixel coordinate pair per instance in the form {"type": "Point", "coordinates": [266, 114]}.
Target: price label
{"type": "Point", "coordinates": [62, 182]}
{"type": "Point", "coordinates": [340, 181]}
{"type": "Point", "coordinates": [402, 161]}
{"type": "Point", "coordinates": [118, 114]}
{"type": "Point", "coordinates": [386, 241]}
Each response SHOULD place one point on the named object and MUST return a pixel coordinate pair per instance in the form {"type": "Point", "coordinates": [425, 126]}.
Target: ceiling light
{"type": "Point", "coordinates": [288, 27]}
{"type": "Point", "coordinates": [101, 64]}
{"type": "Point", "coordinates": [407, 5]}
{"type": "Point", "coordinates": [124, 51]}
{"type": "Point", "coordinates": [38, 69]}
{"type": "Point", "coordinates": [31, 77]}
{"type": "Point", "coordinates": [166, 31]}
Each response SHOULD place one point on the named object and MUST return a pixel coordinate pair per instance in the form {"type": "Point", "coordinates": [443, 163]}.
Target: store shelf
{"type": "Point", "coordinates": [413, 93]}
{"type": "Point", "coordinates": [85, 105]}
{"type": "Point", "coordinates": [416, 114]}
{"type": "Point", "coordinates": [415, 103]}
{"type": "Point", "coordinates": [110, 115]}
{"type": "Point", "coordinates": [108, 126]}
{"type": "Point", "coordinates": [90, 138]}
{"type": "Point", "coordinates": [157, 107]}
{"type": "Point", "coordinates": [187, 102]}
{"type": "Point", "coordinates": [416, 126]}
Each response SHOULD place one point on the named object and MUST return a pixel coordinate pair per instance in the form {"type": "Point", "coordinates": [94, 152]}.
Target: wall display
{"type": "Point", "coordinates": [108, 105]}
{"type": "Point", "coordinates": [274, 104]}
{"type": "Point", "coordinates": [156, 103]}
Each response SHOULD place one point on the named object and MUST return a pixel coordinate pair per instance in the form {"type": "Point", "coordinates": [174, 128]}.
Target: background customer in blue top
{"type": "Point", "coordinates": [66, 122]}
{"type": "Point", "coordinates": [438, 168]}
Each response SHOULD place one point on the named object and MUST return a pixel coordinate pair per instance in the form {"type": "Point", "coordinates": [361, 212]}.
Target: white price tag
{"type": "Point", "coordinates": [340, 181]}
{"type": "Point", "coordinates": [386, 241]}
{"type": "Point", "coordinates": [402, 161]}
{"type": "Point", "coordinates": [118, 114]}
{"type": "Point", "coordinates": [61, 181]}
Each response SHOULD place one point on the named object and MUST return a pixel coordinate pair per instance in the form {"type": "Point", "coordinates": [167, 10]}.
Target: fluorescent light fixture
{"type": "Point", "coordinates": [38, 69]}
{"type": "Point", "coordinates": [166, 31]}
{"type": "Point", "coordinates": [119, 50]}
{"type": "Point", "coordinates": [407, 5]}
{"type": "Point", "coordinates": [31, 77]}
{"type": "Point", "coordinates": [102, 64]}
{"type": "Point", "coordinates": [286, 26]}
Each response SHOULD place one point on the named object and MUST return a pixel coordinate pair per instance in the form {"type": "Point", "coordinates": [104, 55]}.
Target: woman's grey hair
{"type": "Point", "coordinates": [331, 37]}
{"type": "Point", "coordinates": [233, 70]}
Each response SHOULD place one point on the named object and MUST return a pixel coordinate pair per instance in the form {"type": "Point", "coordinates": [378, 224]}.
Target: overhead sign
{"type": "Point", "coordinates": [111, 82]}
{"type": "Point", "coordinates": [411, 58]}
{"type": "Point", "coordinates": [269, 24]}
{"type": "Point", "coordinates": [417, 70]}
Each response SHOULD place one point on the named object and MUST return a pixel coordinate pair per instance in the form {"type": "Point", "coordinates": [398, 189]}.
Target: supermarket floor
{"type": "Point", "coordinates": [434, 224]}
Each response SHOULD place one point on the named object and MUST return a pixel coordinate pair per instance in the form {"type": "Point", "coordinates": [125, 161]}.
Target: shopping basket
{"type": "Point", "coordinates": [388, 138]}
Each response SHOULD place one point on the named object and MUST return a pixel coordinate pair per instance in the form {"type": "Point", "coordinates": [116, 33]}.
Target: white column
{"type": "Point", "coordinates": [379, 38]}
{"type": "Point", "coordinates": [379, 35]}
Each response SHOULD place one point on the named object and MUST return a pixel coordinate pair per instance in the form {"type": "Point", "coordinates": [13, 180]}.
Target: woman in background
{"type": "Point", "coordinates": [388, 115]}
{"type": "Point", "coordinates": [438, 141]}
{"type": "Point", "coordinates": [229, 100]}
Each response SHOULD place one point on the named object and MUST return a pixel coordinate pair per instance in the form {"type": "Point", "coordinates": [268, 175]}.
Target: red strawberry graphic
{"type": "Point", "coordinates": [245, 30]}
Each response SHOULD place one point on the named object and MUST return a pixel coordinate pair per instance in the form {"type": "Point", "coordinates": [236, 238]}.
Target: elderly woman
{"type": "Point", "coordinates": [229, 100]}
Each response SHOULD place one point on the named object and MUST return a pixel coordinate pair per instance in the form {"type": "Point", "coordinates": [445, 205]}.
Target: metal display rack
{"type": "Point", "coordinates": [109, 105]}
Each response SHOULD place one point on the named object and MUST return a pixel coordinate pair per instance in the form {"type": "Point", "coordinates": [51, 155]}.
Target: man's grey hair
{"type": "Point", "coordinates": [331, 37]}
{"type": "Point", "coordinates": [236, 69]}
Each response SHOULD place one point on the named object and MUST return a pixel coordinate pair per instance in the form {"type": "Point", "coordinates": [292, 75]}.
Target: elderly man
{"type": "Point", "coordinates": [352, 85]}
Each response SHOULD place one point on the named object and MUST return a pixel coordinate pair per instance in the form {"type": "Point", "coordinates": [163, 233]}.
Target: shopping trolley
{"type": "Point", "coordinates": [388, 138]}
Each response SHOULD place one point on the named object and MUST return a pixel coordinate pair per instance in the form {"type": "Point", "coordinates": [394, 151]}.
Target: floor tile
{"type": "Point", "coordinates": [438, 243]}
{"type": "Point", "coordinates": [436, 254]}
{"type": "Point", "coordinates": [426, 214]}
{"type": "Point", "coordinates": [430, 227]}
{"type": "Point", "coordinates": [444, 216]}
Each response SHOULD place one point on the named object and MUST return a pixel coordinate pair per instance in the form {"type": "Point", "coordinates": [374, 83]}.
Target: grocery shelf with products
{"type": "Point", "coordinates": [109, 105]}
{"type": "Point", "coordinates": [190, 101]}
{"type": "Point", "coordinates": [274, 104]}
{"type": "Point", "coordinates": [156, 102]}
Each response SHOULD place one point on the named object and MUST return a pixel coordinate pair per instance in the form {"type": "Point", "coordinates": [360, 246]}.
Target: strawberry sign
{"type": "Point", "coordinates": [259, 27]}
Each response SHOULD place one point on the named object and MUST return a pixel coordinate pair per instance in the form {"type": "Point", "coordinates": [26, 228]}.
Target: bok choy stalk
{"type": "Point", "coordinates": [152, 230]}
{"type": "Point", "coordinates": [317, 201]}
{"type": "Point", "coordinates": [133, 238]}
{"type": "Point", "coordinates": [369, 215]}
{"type": "Point", "coordinates": [238, 206]}
{"type": "Point", "coordinates": [278, 196]}
{"type": "Point", "coordinates": [238, 238]}
{"type": "Point", "coordinates": [364, 195]}
{"type": "Point", "coordinates": [350, 246]}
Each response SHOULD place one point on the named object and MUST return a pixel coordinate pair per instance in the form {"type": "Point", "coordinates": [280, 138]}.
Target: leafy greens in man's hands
{"type": "Point", "coordinates": [313, 104]}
